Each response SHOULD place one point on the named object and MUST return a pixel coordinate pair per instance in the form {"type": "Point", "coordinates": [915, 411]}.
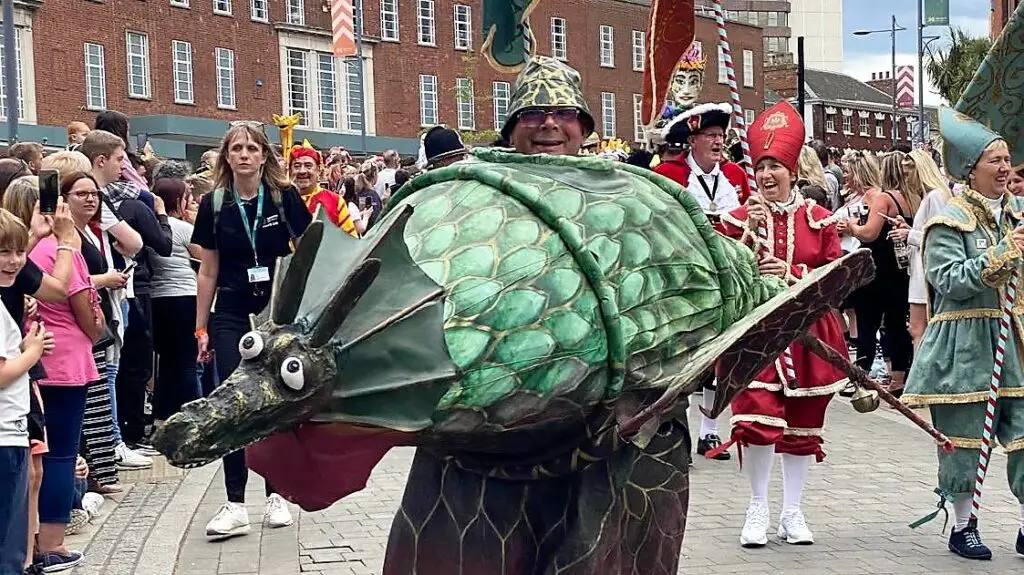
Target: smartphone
{"type": "Point", "coordinates": [128, 268]}
{"type": "Point", "coordinates": [364, 202]}
{"type": "Point", "coordinates": [49, 191]}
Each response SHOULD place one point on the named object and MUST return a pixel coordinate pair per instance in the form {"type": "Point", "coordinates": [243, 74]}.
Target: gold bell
{"type": "Point", "coordinates": [865, 401]}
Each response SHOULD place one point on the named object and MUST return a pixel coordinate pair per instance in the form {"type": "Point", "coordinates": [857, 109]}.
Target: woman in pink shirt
{"type": "Point", "coordinates": [75, 323]}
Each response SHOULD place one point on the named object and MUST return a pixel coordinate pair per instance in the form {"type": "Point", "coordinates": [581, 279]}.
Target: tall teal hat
{"type": "Point", "coordinates": [964, 140]}
{"type": "Point", "coordinates": [994, 97]}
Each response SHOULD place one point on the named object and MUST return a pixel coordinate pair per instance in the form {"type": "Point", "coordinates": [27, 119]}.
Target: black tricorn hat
{"type": "Point", "coordinates": [695, 120]}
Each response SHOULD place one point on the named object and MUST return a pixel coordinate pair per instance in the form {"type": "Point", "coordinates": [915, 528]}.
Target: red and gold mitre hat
{"type": "Point", "coordinates": [777, 133]}
{"type": "Point", "coordinates": [306, 150]}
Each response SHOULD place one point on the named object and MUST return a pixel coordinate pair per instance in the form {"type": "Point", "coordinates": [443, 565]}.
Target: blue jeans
{"type": "Point", "coordinates": [111, 378]}
{"type": "Point", "coordinates": [65, 408]}
{"type": "Point", "coordinates": [14, 462]}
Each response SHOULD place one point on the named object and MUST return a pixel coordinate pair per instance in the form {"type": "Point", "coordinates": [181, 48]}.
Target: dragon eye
{"type": "Point", "coordinates": [291, 373]}
{"type": "Point", "coordinates": [251, 345]}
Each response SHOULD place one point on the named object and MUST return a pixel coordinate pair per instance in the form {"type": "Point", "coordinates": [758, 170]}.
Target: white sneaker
{"type": "Point", "coordinates": [129, 459]}
{"type": "Point", "coordinates": [232, 519]}
{"type": "Point", "coordinates": [755, 528]}
{"type": "Point", "coordinates": [793, 529]}
{"type": "Point", "coordinates": [277, 514]}
{"type": "Point", "coordinates": [92, 502]}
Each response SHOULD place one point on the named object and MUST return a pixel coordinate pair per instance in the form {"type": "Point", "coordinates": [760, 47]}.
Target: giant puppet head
{"type": "Point", "coordinates": [688, 80]}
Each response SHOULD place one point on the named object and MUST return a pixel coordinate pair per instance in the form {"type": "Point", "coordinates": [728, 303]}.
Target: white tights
{"type": "Point", "coordinates": [758, 460]}
{"type": "Point", "coordinates": [708, 426]}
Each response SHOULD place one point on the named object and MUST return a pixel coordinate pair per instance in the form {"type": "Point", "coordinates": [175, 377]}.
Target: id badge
{"type": "Point", "coordinates": [259, 274]}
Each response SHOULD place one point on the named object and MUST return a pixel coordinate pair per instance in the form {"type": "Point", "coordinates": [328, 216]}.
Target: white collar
{"type": "Point", "coordinates": [697, 169]}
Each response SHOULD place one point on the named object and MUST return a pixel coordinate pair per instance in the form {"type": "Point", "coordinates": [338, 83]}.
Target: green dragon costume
{"type": "Point", "coordinates": [528, 322]}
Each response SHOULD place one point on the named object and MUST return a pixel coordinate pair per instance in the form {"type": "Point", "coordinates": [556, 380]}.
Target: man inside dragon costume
{"type": "Point", "coordinates": [527, 320]}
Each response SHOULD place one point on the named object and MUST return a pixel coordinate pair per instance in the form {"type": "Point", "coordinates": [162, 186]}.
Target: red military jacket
{"type": "Point", "coordinates": [678, 170]}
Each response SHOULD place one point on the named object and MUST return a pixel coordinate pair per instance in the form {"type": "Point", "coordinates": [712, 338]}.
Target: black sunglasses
{"type": "Point", "coordinates": [533, 117]}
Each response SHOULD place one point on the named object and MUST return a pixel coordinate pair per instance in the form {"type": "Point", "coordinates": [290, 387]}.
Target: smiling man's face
{"type": "Point", "coordinates": [556, 131]}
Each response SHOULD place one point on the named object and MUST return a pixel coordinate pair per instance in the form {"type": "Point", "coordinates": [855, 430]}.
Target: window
{"type": "Point", "coordinates": [95, 78]}
{"type": "Point", "coordinates": [558, 45]}
{"type": "Point", "coordinates": [607, 41]}
{"type": "Point", "coordinates": [327, 90]}
{"type": "Point", "coordinates": [355, 94]}
{"type": "Point", "coordinates": [18, 72]}
{"type": "Point", "coordinates": [723, 72]}
{"type": "Point", "coordinates": [608, 114]}
{"type": "Point", "coordinates": [500, 94]}
{"type": "Point", "coordinates": [428, 100]}
{"type": "Point", "coordinates": [639, 133]}
{"type": "Point", "coordinates": [138, 64]}
{"type": "Point", "coordinates": [773, 18]}
{"type": "Point", "coordinates": [465, 100]}
{"type": "Point", "coordinates": [296, 12]}
{"type": "Point", "coordinates": [879, 128]}
{"type": "Point", "coordinates": [639, 53]}
{"type": "Point", "coordinates": [748, 117]}
{"type": "Point", "coordinates": [181, 53]}
{"type": "Point", "coordinates": [225, 78]}
{"type": "Point", "coordinates": [830, 123]}
{"type": "Point", "coordinates": [259, 11]}
{"type": "Point", "coordinates": [179, 3]}
{"type": "Point", "coordinates": [463, 27]}
{"type": "Point", "coordinates": [389, 20]}
{"type": "Point", "coordinates": [864, 126]}
{"type": "Point", "coordinates": [847, 125]}
{"type": "Point", "coordinates": [748, 68]}
{"type": "Point", "coordinates": [222, 7]}
{"type": "Point", "coordinates": [295, 67]}
{"type": "Point", "coordinates": [426, 23]}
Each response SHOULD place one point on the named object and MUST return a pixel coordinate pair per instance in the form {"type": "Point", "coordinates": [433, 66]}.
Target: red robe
{"type": "Point", "coordinates": [678, 171]}
{"type": "Point", "coordinates": [768, 412]}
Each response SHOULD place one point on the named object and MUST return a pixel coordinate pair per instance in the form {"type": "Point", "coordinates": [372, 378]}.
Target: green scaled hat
{"type": "Point", "coordinates": [548, 83]}
{"type": "Point", "coordinates": [994, 97]}
{"type": "Point", "coordinates": [964, 140]}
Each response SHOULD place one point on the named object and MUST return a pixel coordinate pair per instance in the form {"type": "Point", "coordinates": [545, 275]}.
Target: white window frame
{"type": "Point", "coordinates": [465, 104]}
{"type": "Point", "coordinates": [463, 19]}
{"type": "Point", "coordinates": [354, 101]}
{"type": "Point", "coordinates": [179, 3]}
{"type": "Point", "coordinates": [608, 114]}
{"type": "Point", "coordinates": [259, 10]}
{"type": "Point", "coordinates": [863, 126]}
{"type": "Point", "coordinates": [20, 71]}
{"type": "Point", "coordinates": [95, 72]}
{"type": "Point", "coordinates": [181, 68]}
{"type": "Point", "coordinates": [426, 29]}
{"type": "Point", "coordinates": [606, 45]}
{"type": "Point", "coordinates": [723, 72]}
{"type": "Point", "coordinates": [389, 15]}
{"type": "Point", "coordinates": [639, 133]}
{"type": "Point", "coordinates": [559, 42]}
{"type": "Point", "coordinates": [428, 100]}
{"type": "Point", "coordinates": [147, 85]}
{"type": "Point", "coordinates": [501, 95]}
{"type": "Point", "coordinates": [224, 60]}
{"type": "Point", "coordinates": [748, 117]}
{"type": "Point", "coordinates": [748, 68]}
{"type": "Point", "coordinates": [848, 125]}
{"type": "Point", "coordinates": [879, 128]}
{"type": "Point", "coordinates": [296, 66]}
{"type": "Point", "coordinates": [222, 7]}
{"type": "Point", "coordinates": [328, 90]}
{"type": "Point", "coordinates": [639, 50]}
{"type": "Point", "coordinates": [295, 12]}
{"type": "Point", "coordinates": [830, 123]}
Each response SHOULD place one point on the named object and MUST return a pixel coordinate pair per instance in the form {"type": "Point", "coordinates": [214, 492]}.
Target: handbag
{"type": "Point", "coordinates": [106, 340]}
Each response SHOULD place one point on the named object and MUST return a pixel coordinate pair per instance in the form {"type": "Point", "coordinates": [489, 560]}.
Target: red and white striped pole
{"type": "Point", "coordinates": [765, 247]}
{"type": "Point", "coordinates": [993, 393]}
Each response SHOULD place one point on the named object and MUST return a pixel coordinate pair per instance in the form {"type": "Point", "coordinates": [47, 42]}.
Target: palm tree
{"type": "Point", "coordinates": [952, 67]}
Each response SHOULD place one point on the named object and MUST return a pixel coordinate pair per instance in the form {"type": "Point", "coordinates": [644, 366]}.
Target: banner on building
{"type": "Point", "coordinates": [936, 12]}
{"type": "Point", "coordinates": [342, 28]}
{"type": "Point", "coordinates": [905, 87]}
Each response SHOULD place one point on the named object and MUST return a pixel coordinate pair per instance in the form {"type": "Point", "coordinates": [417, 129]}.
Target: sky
{"type": "Point", "coordinates": [863, 55]}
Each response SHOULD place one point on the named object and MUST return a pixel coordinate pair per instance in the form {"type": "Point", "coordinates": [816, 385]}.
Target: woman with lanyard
{"type": "Point", "coordinates": [243, 227]}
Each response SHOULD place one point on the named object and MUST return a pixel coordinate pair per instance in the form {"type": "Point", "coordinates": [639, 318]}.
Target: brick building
{"type": "Point", "coordinates": [843, 111]}
{"type": "Point", "coordinates": [184, 68]}
{"type": "Point", "coordinates": [1001, 12]}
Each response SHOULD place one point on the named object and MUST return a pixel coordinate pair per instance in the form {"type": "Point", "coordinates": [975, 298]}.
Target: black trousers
{"type": "Point", "coordinates": [226, 330]}
{"type": "Point", "coordinates": [135, 369]}
{"type": "Point", "coordinates": [174, 326]}
{"type": "Point", "coordinates": [885, 303]}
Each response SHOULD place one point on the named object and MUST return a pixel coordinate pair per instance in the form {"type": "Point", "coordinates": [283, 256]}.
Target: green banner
{"type": "Point", "coordinates": [936, 12]}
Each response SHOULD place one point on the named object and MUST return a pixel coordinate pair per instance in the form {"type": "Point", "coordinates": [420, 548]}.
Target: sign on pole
{"type": "Point", "coordinates": [936, 12]}
{"type": "Point", "coordinates": [342, 28]}
{"type": "Point", "coordinates": [905, 87]}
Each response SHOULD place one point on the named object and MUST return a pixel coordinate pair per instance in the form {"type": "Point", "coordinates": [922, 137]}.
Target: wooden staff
{"type": "Point", "coordinates": [861, 378]}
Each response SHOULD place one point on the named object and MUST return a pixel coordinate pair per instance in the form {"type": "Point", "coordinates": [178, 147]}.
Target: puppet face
{"type": "Point", "coordinates": [686, 87]}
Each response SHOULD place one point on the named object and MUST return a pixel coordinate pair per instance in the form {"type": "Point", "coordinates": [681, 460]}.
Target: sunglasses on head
{"type": "Point", "coordinates": [534, 117]}
{"type": "Point", "coordinates": [250, 124]}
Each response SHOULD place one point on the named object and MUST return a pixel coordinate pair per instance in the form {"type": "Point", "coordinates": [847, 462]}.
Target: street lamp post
{"type": "Point", "coordinates": [892, 30]}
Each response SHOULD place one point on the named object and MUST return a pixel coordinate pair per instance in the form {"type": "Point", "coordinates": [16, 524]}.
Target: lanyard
{"type": "Point", "coordinates": [710, 193]}
{"type": "Point", "coordinates": [250, 231]}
